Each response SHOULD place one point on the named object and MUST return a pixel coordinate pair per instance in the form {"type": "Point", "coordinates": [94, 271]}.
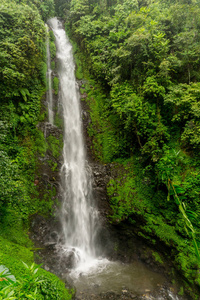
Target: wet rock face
{"type": "Point", "coordinates": [101, 176]}
{"type": "Point", "coordinates": [119, 243]}
{"type": "Point", "coordinates": [46, 234]}
{"type": "Point", "coordinates": [46, 177]}
{"type": "Point", "coordinates": [50, 129]}
{"type": "Point", "coordinates": [86, 122]}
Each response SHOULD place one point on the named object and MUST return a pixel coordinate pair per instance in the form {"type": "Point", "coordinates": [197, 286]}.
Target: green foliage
{"type": "Point", "coordinates": [169, 169]}
{"type": "Point", "coordinates": [79, 72]}
{"type": "Point", "coordinates": [52, 49]}
{"type": "Point", "coordinates": [157, 257]}
{"type": "Point", "coordinates": [146, 57]}
{"type": "Point", "coordinates": [33, 284]}
{"type": "Point", "coordinates": [78, 8]}
{"type": "Point", "coordinates": [9, 184]}
{"type": "Point", "coordinates": [22, 252]}
{"type": "Point", "coordinates": [144, 115]}
{"type": "Point", "coordinates": [40, 143]}
{"type": "Point", "coordinates": [22, 85]}
{"type": "Point", "coordinates": [183, 100]}
{"type": "Point", "coordinates": [140, 48]}
{"type": "Point", "coordinates": [58, 121]}
{"type": "Point", "coordinates": [51, 36]}
{"type": "Point", "coordinates": [45, 8]}
{"type": "Point", "coordinates": [20, 112]}
{"type": "Point", "coordinates": [110, 145]}
{"type": "Point", "coordinates": [56, 85]}
{"type": "Point", "coordinates": [53, 65]}
{"type": "Point", "coordinates": [6, 277]}
{"type": "Point", "coordinates": [21, 50]}
{"type": "Point", "coordinates": [55, 145]}
{"type": "Point", "coordinates": [78, 63]}
{"type": "Point", "coordinates": [133, 197]}
{"type": "Point", "coordinates": [62, 8]}
{"type": "Point", "coordinates": [181, 291]}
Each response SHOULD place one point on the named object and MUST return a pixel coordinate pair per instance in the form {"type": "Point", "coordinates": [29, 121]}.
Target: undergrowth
{"type": "Point", "coordinates": [139, 187]}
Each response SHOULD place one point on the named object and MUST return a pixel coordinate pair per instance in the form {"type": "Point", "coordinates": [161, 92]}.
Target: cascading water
{"type": "Point", "coordinates": [78, 214]}
{"type": "Point", "coordinates": [49, 93]}
{"type": "Point", "coordinates": [79, 217]}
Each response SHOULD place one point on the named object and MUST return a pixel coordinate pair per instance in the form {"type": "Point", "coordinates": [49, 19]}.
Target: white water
{"type": "Point", "coordinates": [49, 93]}
{"type": "Point", "coordinates": [78, 214]}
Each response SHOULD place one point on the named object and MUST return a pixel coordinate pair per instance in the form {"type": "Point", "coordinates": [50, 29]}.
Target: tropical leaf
{"type": "Point", "coordinates": [6, 278]}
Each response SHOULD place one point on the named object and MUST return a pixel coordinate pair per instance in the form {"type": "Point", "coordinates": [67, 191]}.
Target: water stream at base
{"type": "Point", "coordinates": [89, 271]}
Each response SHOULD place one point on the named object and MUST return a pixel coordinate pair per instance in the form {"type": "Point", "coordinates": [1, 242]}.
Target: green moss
{"type": "Point", "coordinates": [181, 291]}
{"type": "Point", "coordinates": [8, 248]}
{"type": "Point", "coordinates": [58, 121]}
{"type": "Point", "coordinates": [52, 50]}
{"type": "Point", "coordinates": [55, 145]}
{"type": "Point", "coordinates": [43, 71]}
{"type": "Point", "coordinates": [79, 71]}
{"type": "Point", "coordinates": [56, 85]}
{"type": "Point", "coordinates": [43, 116]}
{"type": "Point", "coordinates": [157, 257]}
{"type": "Point", "coordinates": [40, 143]}
{"type": "Point", "coordinates": [53, 65]}
{"type": "Point", "coordinates": [12, 226]}
{"type": "Point", "coordinates": [51, 36]}
{"type": "Point", "coordinates": [53, 165]}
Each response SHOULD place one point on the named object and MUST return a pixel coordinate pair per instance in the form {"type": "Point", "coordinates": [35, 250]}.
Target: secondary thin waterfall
{"type": "Point", "coordinates": [49, 93]}
{"type": "Point", "coordinates": [78, 215]}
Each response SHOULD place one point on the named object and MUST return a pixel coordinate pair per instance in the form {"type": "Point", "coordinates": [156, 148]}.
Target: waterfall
{"type": "Point", "coordinates": [78, 214]}
{"type": "Point", "coordinates": [49, 94]}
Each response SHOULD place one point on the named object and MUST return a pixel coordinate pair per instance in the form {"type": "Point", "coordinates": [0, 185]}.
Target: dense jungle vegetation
{"type": "Point", "coordinates": [22, 86]}
{"type": "Point", "coordinates": [143, 89]}
{"type": "Point", "coordinates": [142, 81]}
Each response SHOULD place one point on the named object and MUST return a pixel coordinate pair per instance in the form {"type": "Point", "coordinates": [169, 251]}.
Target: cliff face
{"type": "Point", "coordinates": [119, 240]}
{"type": "Point", "coordinates": [126, 210]}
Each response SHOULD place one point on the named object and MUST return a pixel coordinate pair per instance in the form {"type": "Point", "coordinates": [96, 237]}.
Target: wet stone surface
{"type": "Point", "coordinates": [163, 293]}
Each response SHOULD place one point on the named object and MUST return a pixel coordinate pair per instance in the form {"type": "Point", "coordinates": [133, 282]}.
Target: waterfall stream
{"type": "Point", "coordinates": [79, 217]}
